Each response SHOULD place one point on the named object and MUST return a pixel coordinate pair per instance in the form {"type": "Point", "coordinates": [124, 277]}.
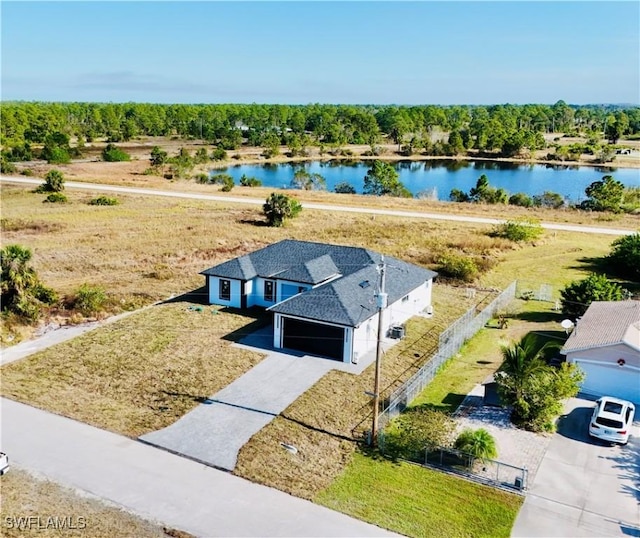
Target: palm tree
{"type": "Point", "coordinates": [522, 364]}
{"type": "Point", "coordinates": [477, 443]}
{"type": "Point", "coordinates": [17, 276]}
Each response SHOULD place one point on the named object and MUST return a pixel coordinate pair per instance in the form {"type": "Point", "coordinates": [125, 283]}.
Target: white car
{"type": "Point", "coordinates": [611, 420]}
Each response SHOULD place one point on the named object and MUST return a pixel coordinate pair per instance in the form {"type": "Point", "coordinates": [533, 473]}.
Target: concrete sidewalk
{"type": "Point", "coordinates": [159, 486]}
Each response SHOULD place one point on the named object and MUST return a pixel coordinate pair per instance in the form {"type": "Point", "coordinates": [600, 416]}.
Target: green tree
{"type": "Point", "coordinates": [548, 199]}
{"type": "Point", "coordinates": [478, 443]}
{"type": "Point", "coordinates": [308, 181]}
{"type": "Point", "coordinates": [21, 290]}
{"type": "Point", "coordinates": [578, 295]}
{"type": "Point", "coordinates": [280, 207]}
{"type": "Point", "coordinates": [534, 389]}
{"type": "Point", "coordinates": [382, 180]}
{"type": "Point", "coordinates": [606, 194]}
{"type": "Point", "coordinates": [624, 258]}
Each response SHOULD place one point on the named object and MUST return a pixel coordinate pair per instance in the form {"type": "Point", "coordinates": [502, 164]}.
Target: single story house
{"type": "Point", "coordinates": [323, 297]}
{"type": "Point", "coordinates": [605, 343]}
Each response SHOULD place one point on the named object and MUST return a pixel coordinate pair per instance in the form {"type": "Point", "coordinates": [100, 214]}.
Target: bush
{"type": "Point", "coordinates": [518, 230]}
{"type": "Point", "coordinates": [7, 167]}
{"type": "Point", "coordinates": [344, 188]}
{"type": "Point", "coordinates": [53, 182]}
{"type": "Point", "coordinates": [227, 184]}
{"type": "Point", "coordinates": [624, 259]}
{"type": "Point", "coordinates": [458, 266]}
{"type": "Point", "coordinates": [279, 207]}
{"type": "Point", "coordinates": [548, 199]}
{"type": "Point", "coordinates": [478, 443]}
{"type": "Point", "coordinates": [578, 295]}
{"type": "Point", "coordinates": [89, 299]}
{"type": "Point", "coordinates": [417, 430]}
{"type": "Point", "coordinates": [202, 178]}
{"type": "Point", "coordinates": [57, 155]}
{"type": "Point", "coordinates": [521, 199]}
{"type": "Point", "coordinates": [103, 200]}
{"type": "Point", "coordinates": [27, 172]}
{"type": "Point", "coordinates": [114, 154]}
{"type": "Point", "coordinates": [55, 198]}
{"type": "Point", "coordinates": [248, 181]}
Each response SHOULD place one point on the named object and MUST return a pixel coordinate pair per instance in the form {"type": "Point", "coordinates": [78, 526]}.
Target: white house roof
{"type": "Point", "coordinates": [606, 323]}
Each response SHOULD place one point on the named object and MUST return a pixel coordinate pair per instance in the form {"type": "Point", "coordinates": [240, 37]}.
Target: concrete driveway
{"type": "Point", "coordinates": [583, 487]}
{"type": "Point", "coordinates": [215, 431]}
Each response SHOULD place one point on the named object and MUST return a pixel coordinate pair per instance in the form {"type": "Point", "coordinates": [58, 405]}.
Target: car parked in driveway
{"type": "Point", "coordinates": [4, 463]}
{"type": "Point", "coordinates": [611, 420]}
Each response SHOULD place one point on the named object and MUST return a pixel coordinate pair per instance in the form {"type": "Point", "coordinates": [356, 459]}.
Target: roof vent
{"type": "Point", "coordinates": [364, 284]}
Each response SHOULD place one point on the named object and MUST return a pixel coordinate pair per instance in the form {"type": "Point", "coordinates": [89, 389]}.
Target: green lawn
{"type": "Point", "coordinates": [415, 501]}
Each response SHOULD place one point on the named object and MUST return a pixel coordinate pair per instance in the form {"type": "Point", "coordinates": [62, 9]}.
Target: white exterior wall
{"type": "Point", "coordinates": [214, 292]}
{"type": "Point", "coordinates": [366, 335]}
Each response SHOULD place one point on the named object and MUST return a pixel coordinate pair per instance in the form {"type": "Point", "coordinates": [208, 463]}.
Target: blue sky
{"type": "Point", "coordinates": [326, 52]}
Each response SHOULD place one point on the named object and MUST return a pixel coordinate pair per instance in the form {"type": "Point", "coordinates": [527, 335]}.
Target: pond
{"type": "Point", "coordinates": [438, 177]}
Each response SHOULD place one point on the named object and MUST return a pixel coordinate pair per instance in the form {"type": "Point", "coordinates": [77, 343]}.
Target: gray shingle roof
{"type": "Point", "coordinates": [341, 300]}
{"type": "Point", "coordinates": [606, 323]}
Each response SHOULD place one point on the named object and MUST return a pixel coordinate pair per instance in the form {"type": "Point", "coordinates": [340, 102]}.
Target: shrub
{"type": "Point", "coordinates": [7, 167]}
{"type": "Point", "coordinates": [417, 430]}
{"type": "Point", "coordinates": [624, 259]}
{"type": "Point", "coordinates": [202, 178]}
{"type": "Point", "coordinates": [53, 182]}
{"type": "Point", "coordinates": [458, 266]}
{"type": "Point", "coordinates": [227, 184]}
{"type": "Point", "coordinates": [279, 207]}
{"type": "Point", "coordinates": [478, 443]}
{"type": "Point", "coordinates": [579, 294]}
{"type": "Point", "coordinates": [344, 188]}
{"type": "Point", "coordinates": [248, 181]}
{"type": "Point", "coordinates": [113, 153]}
{"type": "Point", "coordinates": [57, 155]}
{"type": "Point", "coordinates": [56, 198]}
{"type": "Point", "coordinates": [89, 299]}
{"type": "Point", "coordinates": [521, 199]}
{"type": "Point", "coordinates": [548, 199]}
{"type": "Point", "coordinates": [518, 230]}
{"type": "Point", "coordinates": [27, 172]}
{"type": "Point", "coordinates": [103, 200]}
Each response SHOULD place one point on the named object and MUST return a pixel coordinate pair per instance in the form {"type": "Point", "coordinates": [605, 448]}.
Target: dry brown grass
{"type": "Point", "coordinates": [25, 495]}
{"type": "Point", "coordinates": [138, 374]}
{"type": "Point", "coordinates": [148, 248]}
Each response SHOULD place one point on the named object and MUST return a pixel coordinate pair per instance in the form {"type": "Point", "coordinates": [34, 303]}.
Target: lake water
{"type": "Point", "coordinates": [444, 175]}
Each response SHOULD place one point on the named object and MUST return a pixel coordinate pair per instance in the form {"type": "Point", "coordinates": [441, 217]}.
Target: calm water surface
{"type": "Point", "coordinates": [440, 176]}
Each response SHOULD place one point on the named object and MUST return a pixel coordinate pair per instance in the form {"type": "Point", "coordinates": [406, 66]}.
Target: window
{"type": "Point", "coordinates": [225, 290]}
{"type": "Point", "coordinates": [301, 289]}
{"type": "Point", "coordinates": [405, 298]}
{"type": "Point", "coordinates": [269, 291]}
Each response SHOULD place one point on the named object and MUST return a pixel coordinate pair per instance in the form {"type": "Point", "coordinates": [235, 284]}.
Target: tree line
{"type": "Point", "coordinates": [505, 128]}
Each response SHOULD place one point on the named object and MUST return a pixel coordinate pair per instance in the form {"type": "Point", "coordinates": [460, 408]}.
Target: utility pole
{"type": "Point", "coordinates": [381, 298]}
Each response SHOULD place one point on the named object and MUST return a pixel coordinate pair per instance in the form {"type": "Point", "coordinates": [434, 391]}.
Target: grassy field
{"type": "Point", "coordinates": [420, 502]}
{"type": "Point", "coordinates": [25, 495]}
{"type": "Point", "coordinates": [143, 372]}
{"type": "Point", "coordinates": [138, 374]}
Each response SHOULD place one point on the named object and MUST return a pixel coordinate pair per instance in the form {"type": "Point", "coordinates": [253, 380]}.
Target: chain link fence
{"type": "Point", "coordinates": [450, 342]}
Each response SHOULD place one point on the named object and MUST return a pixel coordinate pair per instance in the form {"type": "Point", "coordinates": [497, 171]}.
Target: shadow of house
{"type": "Point", "coordinates": [197, 296]}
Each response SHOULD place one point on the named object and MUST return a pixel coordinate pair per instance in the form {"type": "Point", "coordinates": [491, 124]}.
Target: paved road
{"type": "Point", "coordinates": [583, 487]}
{"type": "Point", "coordinates": [321, 207]}
{"type": "Point", "coordinates": [158, 485]}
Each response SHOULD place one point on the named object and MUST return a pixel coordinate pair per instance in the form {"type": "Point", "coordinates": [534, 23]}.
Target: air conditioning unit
{"type": "Point", "coordinates": [397, 332]}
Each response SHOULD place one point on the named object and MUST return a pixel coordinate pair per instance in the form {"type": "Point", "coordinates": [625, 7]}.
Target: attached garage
{"type": "Point", "coordinates": [610, 380]}
{"type": "Point", "coordinates": [313, 338]}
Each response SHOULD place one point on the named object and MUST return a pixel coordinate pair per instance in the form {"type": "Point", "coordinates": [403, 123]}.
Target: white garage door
{"type": "Point", "coordinates": [611, 380]}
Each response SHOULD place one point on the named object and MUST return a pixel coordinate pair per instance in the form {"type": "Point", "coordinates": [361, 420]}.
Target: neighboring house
{"type": "Point", "coordinates": [323, 297]}
{"type": "Point", "coordinates": [605, 343]}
